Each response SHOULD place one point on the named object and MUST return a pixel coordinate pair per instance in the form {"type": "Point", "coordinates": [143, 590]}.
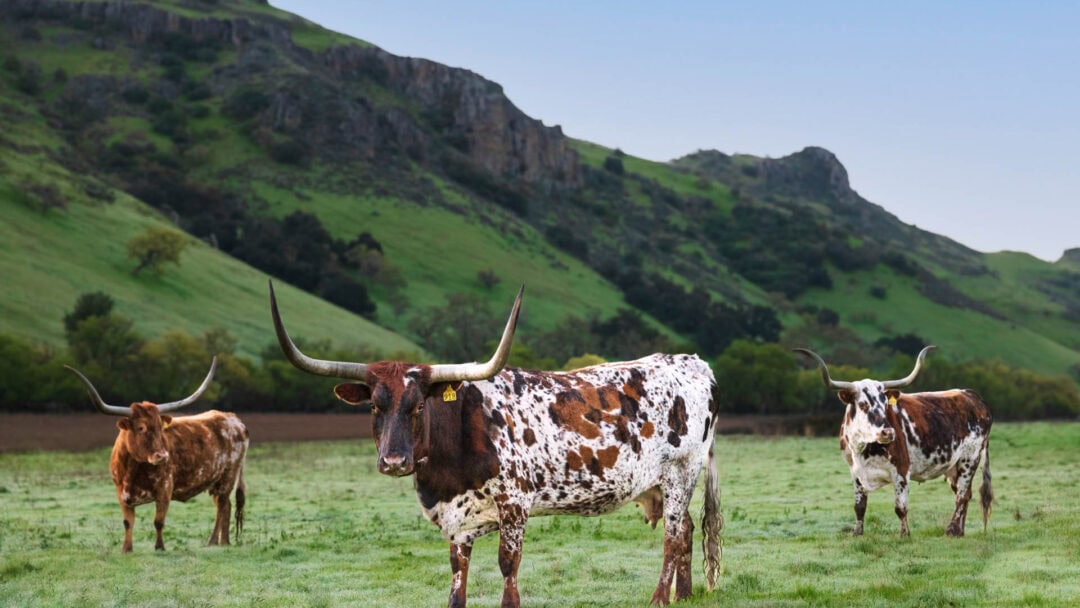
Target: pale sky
{"type": "Point", "coordinates": [960, 117]}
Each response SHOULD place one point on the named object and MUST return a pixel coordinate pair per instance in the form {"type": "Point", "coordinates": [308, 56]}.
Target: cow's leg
{"type": "Point", "coordinates": [860, 507]}
{"type": "Point", "coordinates": [512, 519]}
{"type": "Point", "coordinates": [511, 537]}
{"type": "Point", "coordinates": [220, 535]}
{"type": "Point", "coordinates": [684, 582]}
{"type": "Point", "coordinates": [129, 523]}
{"type": "Point", "coordinates": [900, 483]}
{"type": "Point", "coordinates": [459, 566]}
{"type": "Point", "coordinates": [678, 539]}
{"type": "Point", "coordinates": [960, 480]}
{"type": "Point", "coordinates": [162, 507]}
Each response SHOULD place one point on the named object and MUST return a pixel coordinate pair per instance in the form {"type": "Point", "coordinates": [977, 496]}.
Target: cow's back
{"type": "Point", "coordinates": [942, 428]}
{"type": "Point", "coordinates": [590, 440]}
{"type": "Point", "coordinates": [206, 452]}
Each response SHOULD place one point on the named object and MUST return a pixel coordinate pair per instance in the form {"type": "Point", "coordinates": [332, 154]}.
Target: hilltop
{"type": "Point", "coordinates": [416, 180]}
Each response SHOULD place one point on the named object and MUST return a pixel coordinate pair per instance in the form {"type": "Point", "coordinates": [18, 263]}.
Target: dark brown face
{"type": "Point", "coordinates": [397, 399]}
{"type": "Point", "coordinates": [143, 433]}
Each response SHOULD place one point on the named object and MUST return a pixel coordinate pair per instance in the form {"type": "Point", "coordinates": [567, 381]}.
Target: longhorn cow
{"type": "Point", "coordinates": [889, 437]}
{"type": "Point", "coordinates": [491, 447]}
{"type": "Point", "coordinates": [157, 458]}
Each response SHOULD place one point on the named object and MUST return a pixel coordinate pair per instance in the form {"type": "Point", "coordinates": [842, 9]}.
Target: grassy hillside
{"type": "Point", "coordinates": [48, 261]}
{"type": "Point", "coordinates": [225, 118]}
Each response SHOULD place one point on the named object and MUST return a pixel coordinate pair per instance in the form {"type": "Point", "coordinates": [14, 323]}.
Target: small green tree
{"type": "Point", "coordinates": [460, 330]}
{"type": "Point", "coordinates": [94, 304]}
{"type": "Point", "coordinates": [586, 360]}
{"type": "Point", "coordinates": [154, 247]}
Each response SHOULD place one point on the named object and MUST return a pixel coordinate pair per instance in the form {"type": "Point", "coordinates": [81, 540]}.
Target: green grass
{"type": "Point", "coordinates": [441, 252]}
{"type": "Point", "coordinates": [48, 260]}
{"type": "Point", "coordinates": [962, 334]}
{"type": "Point", "coordinates": [324, 529]}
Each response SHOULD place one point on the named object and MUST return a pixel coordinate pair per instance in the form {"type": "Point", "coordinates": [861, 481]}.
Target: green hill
{"type": "Point", "coordinates": [386, 183]}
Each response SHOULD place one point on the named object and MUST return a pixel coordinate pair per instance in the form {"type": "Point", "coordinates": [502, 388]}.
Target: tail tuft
{"type": "Point", "coordinates": [986, 491]}
{"type": "Point", "coordinates": [240, 497]}
{"type": "Point", "coordinates": [712, 522]}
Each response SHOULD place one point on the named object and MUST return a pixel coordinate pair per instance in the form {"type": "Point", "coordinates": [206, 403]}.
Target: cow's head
{"type": "Point", "coordinates": [867, 401]}
{"type": "Point", "coordinates": [397, 391]}
{"type": "Point", "coordinates": [143, 423]}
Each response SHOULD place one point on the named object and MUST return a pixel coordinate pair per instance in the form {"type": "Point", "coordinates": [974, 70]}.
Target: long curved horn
{"type": "Point", "coordinates": [915, 372]}
{"type": "Point", "coordinates": [175, 405]}
{"type": "Point", "coordinates": [102, 407]}
{"type": "Point", "coordinates": [829, 382]}
{"type": "Point", "coordinates": [483, 371]}
{"type": "Point", "coordinates": [320, 367]}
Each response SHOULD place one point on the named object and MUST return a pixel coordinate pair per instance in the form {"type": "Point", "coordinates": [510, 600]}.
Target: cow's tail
{"type": "Point", "coordinates": [712, 521]}
{"type": "Point", "coordinates": [240, 498]}
{"type": "Point", "coordinates": [986, 492]}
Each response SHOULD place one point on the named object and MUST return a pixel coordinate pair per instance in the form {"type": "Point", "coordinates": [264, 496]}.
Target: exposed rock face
{"type": "Point", "coordinates": [142, 22]}
{"type": "Point", "coordinates": [496, 134]}
{"type": "Point", "coordinates": [467, 109]}
{"type": "Point", "coordinates": [1071, 257]}
{"type": "Point", "coordinates": [813, 173]}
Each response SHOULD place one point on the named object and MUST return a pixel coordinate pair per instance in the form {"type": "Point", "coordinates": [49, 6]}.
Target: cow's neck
{"type": "Point", "coordinates": [460, 454]}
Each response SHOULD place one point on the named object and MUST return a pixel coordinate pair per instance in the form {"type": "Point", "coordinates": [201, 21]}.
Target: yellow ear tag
{"type": "Point", "coordinates": [166, 425]}
{"type": "Point", "coordinates": [449, 394]}
{"type": "Point", "coordinates": [892, 401]}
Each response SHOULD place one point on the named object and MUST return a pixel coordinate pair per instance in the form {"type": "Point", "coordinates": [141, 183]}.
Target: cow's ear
{"type": "Point", "coordinates": [166, 420]}
{"type": "Point", "coordinates": [124, 424]}
{"type": "Point", "coordinates": [353, 393]}
{"type": "Point", "coordinates": [846, 396]}
{"type": "Point", "coordinates": [893, 395]}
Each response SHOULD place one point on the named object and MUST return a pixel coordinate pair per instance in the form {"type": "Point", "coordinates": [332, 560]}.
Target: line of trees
{"type": "Point", "coordinates": [753, 377]}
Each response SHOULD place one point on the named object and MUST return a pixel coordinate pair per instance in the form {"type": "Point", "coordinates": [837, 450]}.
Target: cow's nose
{"type": "Point", "coordinates": [887, 436]}
{"type": "Point", "coordinates": [160, 456]}
{"type": "Point", "coordinates": [395, 465]}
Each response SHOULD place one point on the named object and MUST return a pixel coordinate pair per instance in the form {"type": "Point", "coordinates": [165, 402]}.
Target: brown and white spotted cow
{"type": "Point", "coordinates": [889, 437]}
{"type": "Point", "coordinates": [157, 458]}
{"type": "Point", "coordinates": [492, 447]}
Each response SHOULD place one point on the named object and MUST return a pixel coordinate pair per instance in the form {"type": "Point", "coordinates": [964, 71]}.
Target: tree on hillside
{"type": "Point", "coordinates": [94, 304]}
{"type": "Point", "coordinates": [154, 247]}
{"type": "Point", "coordinates": [459, 331]}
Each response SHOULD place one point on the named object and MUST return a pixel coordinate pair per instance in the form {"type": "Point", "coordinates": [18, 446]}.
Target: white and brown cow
{"type": "Point", "coordinates": [492, 447]}
{"type": "Point", "coordinates": [157, 458]}
{"type": "Point", "coordinates": [889, 437]}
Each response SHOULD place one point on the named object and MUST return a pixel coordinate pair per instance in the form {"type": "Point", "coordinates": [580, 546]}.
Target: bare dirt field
{"type": "Point", "coordinates": [80, 432]}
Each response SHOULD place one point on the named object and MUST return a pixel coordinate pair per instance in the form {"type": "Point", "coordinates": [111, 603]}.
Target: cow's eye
{"type": "Point", "coordinates": [375, 409]}
{"type": "Point", "coordinates": [142, 429]}
{"type": "Point", "coordinates": [420, 407]}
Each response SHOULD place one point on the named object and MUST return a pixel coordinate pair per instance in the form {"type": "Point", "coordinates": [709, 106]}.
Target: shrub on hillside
{"type": "Point", "coordinates": [289, 152]}
{"type": "Point", "coordinates": [614, 165]}
{"type": "Point", "coordinates": [92, 304]}
{"type": "Point", "coordinates": [245, 103]}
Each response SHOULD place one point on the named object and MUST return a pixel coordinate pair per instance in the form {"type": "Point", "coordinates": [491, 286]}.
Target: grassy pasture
{"type": "Point", "coordinates": [324, 529]}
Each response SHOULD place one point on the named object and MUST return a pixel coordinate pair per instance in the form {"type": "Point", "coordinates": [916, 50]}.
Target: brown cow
{"type": "Point", "coordinates": [158, 458]}
{"type": "Point", "coordinates": [889, 437]}
{"type": "Point", "coordinates": [492, 447]}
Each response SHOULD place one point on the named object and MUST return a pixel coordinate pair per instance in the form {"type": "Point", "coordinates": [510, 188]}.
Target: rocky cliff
{"type": "Point", "coordinates": [324, 106]}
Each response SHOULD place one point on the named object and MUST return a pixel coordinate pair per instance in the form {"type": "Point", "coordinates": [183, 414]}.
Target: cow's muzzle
{"type": "Point", "coordinates": [158, 457]}
{"type": "Point", "coordinates": [886, 436]}
{"type": "Point", "coordinates": [398, 466]}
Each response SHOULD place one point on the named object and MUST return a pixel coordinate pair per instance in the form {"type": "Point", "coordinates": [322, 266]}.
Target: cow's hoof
{"type": "Point", "coordinates": [954, 531]}
{"type": "Point", "coordinates": [659, 599]}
